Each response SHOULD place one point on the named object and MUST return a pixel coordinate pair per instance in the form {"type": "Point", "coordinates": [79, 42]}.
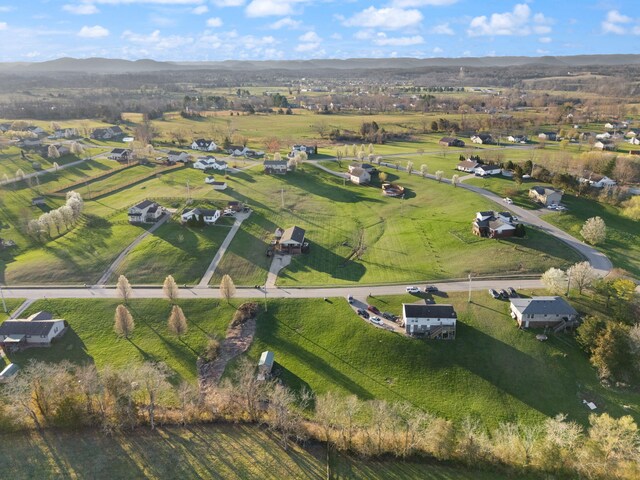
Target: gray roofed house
{"type": "Point", "coordinates": [275, 166]}
{"type": "Point", "coordinates": [292, 240]}
{"type": "Point", "coordinates": [467, 165]}
{"type": "Point", "coordinates": [146, 211]}
{"type": "Point", "coordinates": [541, 311]}
{"type": "Point", "coordinates": [31, 332]}
{"type": "Point", "coordinates": [431, 320]}
{"type": "Point", "coordinates": [359, 175]}
{"type": "Point", "coordinates": [545, 195]}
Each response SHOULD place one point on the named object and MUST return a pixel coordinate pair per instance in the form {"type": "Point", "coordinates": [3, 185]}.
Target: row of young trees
{"type": "Point", "coordinates": [66, 395]}
{"type": "Point", "coordinates": [58, 220]}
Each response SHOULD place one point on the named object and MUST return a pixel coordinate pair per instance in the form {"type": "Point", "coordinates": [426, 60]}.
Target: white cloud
{"type": "Point", "coordinates": [81, 9]}
{"type": "Point", "coordinates": [517, 22]}
{"type": "Point", "coordinates": [385, 18]}
{"type": "Point", "coordinates": [6, 8]}
{"type": "Point", "coordinates": [228, 3]}
{"type": "Point", "coordinates": [214, 22]}
{"type": "Point", "coordinates": [286, 22]}
{"type": "Point", "coordinates": [437, 50]}
{"type": "Point", "coordinates": [156, 41]}
{"type": "Point", "coordinates": [202, 9]}
{"type": "Point", "coordinates": [3, 25]}
{"type": "Point", "coordinates": [310, 41]}
{"type": "Point", "coordinates": [442, 29]}
{"type": "Point", "coordinates": [93, 32]}
{"type": "Point", "coordinates": [422, 3]}
{"type": "Point", "coordinates": [544, 39]}
{"type": "Point", "coordinates": [336, 36]}
{"type": "Point", "coordinates": [381, 39]}
{"type": "Point", "coordinates": [152, 2]}
{"type": "Point", "coordinates": [615, 23]}
{"type": "Point", "coordinates": [266, 8]}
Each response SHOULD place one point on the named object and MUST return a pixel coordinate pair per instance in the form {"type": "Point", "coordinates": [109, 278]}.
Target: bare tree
{"type": "Point", "coordinates": [249, 391]}
{"type": "Point", "coordinates": [424, 170]}
{"type": "Point", "coordinates": [409, 167]}
{"type": "Point", "coordinates": [326, 413]}
{"type": "Point", "coordinates": [123, 287]}
{"type": "Point", "coordinates": [439, 174]}
{"type": "Point", "coordinates": [227, 288]}
{"type": "Point", "coordinates": [283, 416]}
{"type": "Point", "coordinates": [123, 322]}
{"type": "Point", "coordinates": [153, 383]}
{"type": "Point", "coordinates": [170, 289]}
{"type": "Point", "coordinates": [594, 231]}
{"type": "Point", "coordinates": [455, 179]}
{"type": "Point", "coordinates": [177, 321]}
{"type": "Point", "coordinates": [321, 127]}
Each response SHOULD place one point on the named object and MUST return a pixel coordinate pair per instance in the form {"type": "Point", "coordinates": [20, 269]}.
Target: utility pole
{"type": "Point", "coordinates": [469, 287]}
{"type": "Point", "coordinates": [282, 198]}
{"type": "Point", "coordinates": [4, 304]}
{"type": "Point", "coordinates": [188, 191]}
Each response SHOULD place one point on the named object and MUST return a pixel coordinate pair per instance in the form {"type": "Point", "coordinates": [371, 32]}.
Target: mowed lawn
{"type": "Point", "coordinates": [91, 337]}
{"type": "Point", "coordinates": [173, 249]}
{"type": "Point", "coordinates": [202, 451]}
{"type": "Point", "coordinates": [623, 234]}
{"type": "Point", "coordinates": [492, 371]}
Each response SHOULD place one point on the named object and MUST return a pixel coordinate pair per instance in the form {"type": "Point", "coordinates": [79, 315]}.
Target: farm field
{"type": "Point", "coordinates": [492, 371]}
{"type": "Point", "coordinates": [201, 451]}
{"type": "Point", "coordinates": [91, 337]}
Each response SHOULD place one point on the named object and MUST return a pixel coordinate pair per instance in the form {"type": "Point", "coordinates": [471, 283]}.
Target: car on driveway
{"type": "Point", "coordinates": [376, 321]}
{"type": "Point", "coordinates": [430, 289]}
{"type": "Point", "coordinates": [413, 289]}
{"type": "Point", "coordinates": [350, 298]}
{"type": "Point", "coordinates": [512, 292]}
{"type": "Point", "coordinates": [504, 294]}
{"type": "Point", "coordinates": [561, 208]}
{"type": "Point", "coordinates": [553, 206]}
{"type": "Point", "coordinates": [507, 200]}
{"type": "Point", "coordinates": [374, 309]}
{"type": "Point", "coordinates": [389, 316]}
{"type": "Point", "coordinates": [493, 293]}
{"type": "Point", "coordinates": [363, 313]}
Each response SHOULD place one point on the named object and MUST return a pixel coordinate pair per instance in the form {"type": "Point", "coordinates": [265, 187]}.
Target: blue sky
{"type": "Point", "coordinates": [185, 30]}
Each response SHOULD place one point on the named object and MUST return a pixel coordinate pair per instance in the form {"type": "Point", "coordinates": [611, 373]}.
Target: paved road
{"type": "Point", "coordinates": [240, 217]}
{"type": "Point", "coordinates": [116, 263]}
{"type": "Point", "coordinates": [357, 291]}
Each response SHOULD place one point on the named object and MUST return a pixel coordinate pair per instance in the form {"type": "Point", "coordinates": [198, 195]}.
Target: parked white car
{"type": "Point", "coordinates": [553, 206]}
{"type": "Point", "coordinates": [560, 208]}
{"type": "Point", "coordinates": [507, 200]}
{"type": "Point", "coordinates": [413, 289]}
{"type": "Point", "coordinates": [376, 321]}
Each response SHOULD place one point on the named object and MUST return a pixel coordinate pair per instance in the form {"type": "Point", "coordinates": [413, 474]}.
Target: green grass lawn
{"type": "Point", "coordinates": [202, 451]}
{"type": "Point", "coordinates": [492, 371]}
{"type": "Point", "coordinates": [622, 245]}
{"type": "Point", "coordinates": [91, 337]}
{"type": "Point", "coordinates": [173, 249]}
{"type": "Point", "coordinates": [12, 304]}
{"type": "Point", "coordinates": [506, 187]}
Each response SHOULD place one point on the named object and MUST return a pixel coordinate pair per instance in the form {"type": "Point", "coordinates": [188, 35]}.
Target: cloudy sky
{"type": "Point", "coordinates": [38, 30]}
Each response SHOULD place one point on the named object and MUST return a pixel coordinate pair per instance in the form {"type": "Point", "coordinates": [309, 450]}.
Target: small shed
{"type": "Point", "coordinates": [38, 201]}
{"type": "Point", "coordinates": [265, 365]}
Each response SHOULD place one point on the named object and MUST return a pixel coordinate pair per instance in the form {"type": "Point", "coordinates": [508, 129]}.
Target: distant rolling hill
{"type": "Point", "coordinates": [108, 65]}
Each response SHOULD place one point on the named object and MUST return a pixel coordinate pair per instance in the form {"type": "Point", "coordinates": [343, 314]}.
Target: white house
{"type": "Point", "coordinates": [209, 163]}
{"type": "Point", "coordinates": [237, 150]}
{"type": "Point", "coordinates": [303, 149]}
{"type": "Point", "coordinates": [634, 141]}
{"type": "Point", "coordinates": [219, 185]}
{"type": "Point", "coordinates": [604, 145]}
{"type": "Point", "coordinates": [359, 176]}
{"type": "Point", "coordinates": [275, 166]}
{"type": "Point", "coordinates": [598, 181]}
{"type": "Point", "coordinates": [64, 133]}
{"type": "Point", "coordinates": [38, 330]}
{"type": "Point", "coordinates": [175, 156]}
{"type": "Point", "coordinates": [603, 136]}
{"type": "Point", "coordinates": [145, 212]}
{"type": "Point", "coordinates": [541, 311]}
{"type": "Point", "coordinates": [292, 240]}
{"type": "Point", "coordinates": [468, 166]}
{"type": "Point", "coordinates": [517, 138]}
{"type": "Point", "coordinates": [204, 145]}
{"type": "Point", "coordinates": [121, 154]}
{"type": "Point", "coordinates": [484, 170]}
{"type": "Point", "coordinates": [106, 133]}
{"type": "Point", "coordinates": [207, 215]}
{"type": "Point", "coordinates": [482, 138]}
{"type": "Point", "coordinates": [432, 321]}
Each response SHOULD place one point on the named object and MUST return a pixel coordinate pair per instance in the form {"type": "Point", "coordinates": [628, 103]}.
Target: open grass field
{"type": "Point", "coordinates": [12, 304]}
{"type": "Point", "coordinates": [202, 451]}
{"type": "Point", "coordinates": [91, 337]}
{"type": "Point", "coordinates": [622, 245]}
{"type": "Point", "coordinates": [492, 371]}
{"type": "Point", "coordinates": [184, 252]}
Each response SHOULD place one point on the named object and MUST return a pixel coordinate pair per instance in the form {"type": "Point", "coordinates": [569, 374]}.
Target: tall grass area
{"type": "Point", "coordinates": [492, 371]}
{"type": "Point", "coordinates": [201, 451]}
{"type": "Point", "coordinates": [91, 337]}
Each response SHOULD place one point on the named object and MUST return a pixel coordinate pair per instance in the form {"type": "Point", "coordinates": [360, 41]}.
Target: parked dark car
{"type": "Point", "coordinates": [430, 289]}
{"type": "Point", "coordinates": [373, 309]}
{"type": "Point", "coordinates": [350, 298]}
{"type": "Point", "coordinates": [389, 316]}
{"type": "Point", "coordinates": [363, 313]}
{"type": "Point", "coordinates": [493, 293]}
{"type": "Point", "coordinates": [504, 293]}
{"type": "Point", "coordinates": [512, 292]}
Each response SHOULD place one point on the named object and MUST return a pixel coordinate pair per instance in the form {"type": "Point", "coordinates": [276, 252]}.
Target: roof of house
{"type": "Point", "coordinates": [496, 223]}
{"type": "Point", "coordinates": [487, 214]}
{"type": "Point", "coordinates": [25, 327]}
{"type": "Point", "coordinates": [294, 233]}
{"type": "Point", "coordinates": [218, 183]}
{"type": "Point", "coordinates": [143, 204]}
{"type": "Point", "coordinates": [428, 311]}
{"type": "Point", "coordinates": [505, 214]}
{"type": "Point", "coordinates": [543, 305]}
{"type": "Point", "coordinates": [119, 151]}
{"type": "Point", "coordinates": [116, 129]}
{"type": "Point", "coordinates": [468, 164]}
{"type": "Point", "coordinates": [487, 167]}
{"type": "Point", "coordinates": [175, 153]}
{"type": "Point", "coordinates": [275, 163]}
{"type": "Point", "coordinates": [448, 139]}
{"type": "Point", "coordinates": [40, 316]}
{"type": "Point", "coordinates": [544, 190]}
{"type": "Point", "coordinates": [9, 370]}
{"type": "Point", "coordinates": [203, 143]}
{"type": "Point", "coordinates": [236, 147]}
{"type": "Point", "coordinates": [358, 171]}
